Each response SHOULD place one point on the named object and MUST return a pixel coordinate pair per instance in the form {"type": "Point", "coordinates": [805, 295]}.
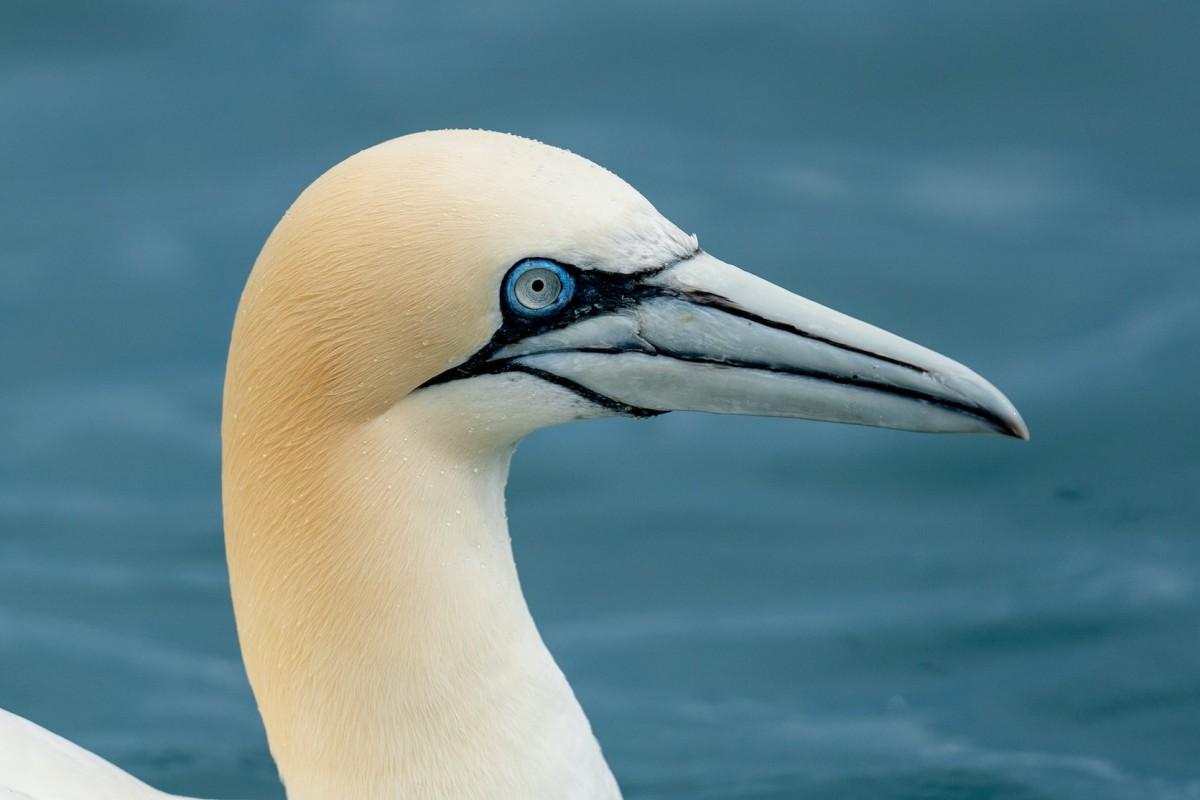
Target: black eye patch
{"type": "Point", "coordinates": [595, 293]}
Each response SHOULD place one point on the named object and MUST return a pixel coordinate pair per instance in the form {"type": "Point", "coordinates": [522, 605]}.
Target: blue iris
{"type": "Point", "coordinates": [538, 287]}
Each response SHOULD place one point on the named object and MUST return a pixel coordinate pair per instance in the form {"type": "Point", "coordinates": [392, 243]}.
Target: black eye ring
{"type": "Point", "coordinates": [538, 287]}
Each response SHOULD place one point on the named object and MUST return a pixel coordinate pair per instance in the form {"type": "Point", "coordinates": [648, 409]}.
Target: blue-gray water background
{"type": "Point", "coordinates": [748, 608]}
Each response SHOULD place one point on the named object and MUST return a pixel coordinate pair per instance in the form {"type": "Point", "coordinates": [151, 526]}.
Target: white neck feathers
{"type": "Point", "coordinates": [384, 628]}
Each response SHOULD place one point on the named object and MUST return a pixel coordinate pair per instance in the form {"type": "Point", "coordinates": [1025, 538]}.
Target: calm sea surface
{"type": "Point", "coordinates": [748, 608]}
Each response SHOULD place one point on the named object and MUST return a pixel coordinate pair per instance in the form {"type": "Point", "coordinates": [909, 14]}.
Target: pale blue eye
{"type": "Point", "coordinates": [538, 287]}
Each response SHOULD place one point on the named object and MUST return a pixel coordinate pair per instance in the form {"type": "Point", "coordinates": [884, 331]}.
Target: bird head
{"type": "Point", "coordinates": [502, 285]}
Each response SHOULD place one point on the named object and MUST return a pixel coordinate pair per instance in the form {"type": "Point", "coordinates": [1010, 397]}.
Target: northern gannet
{"type": "Point", "coordinates": [420, 308]}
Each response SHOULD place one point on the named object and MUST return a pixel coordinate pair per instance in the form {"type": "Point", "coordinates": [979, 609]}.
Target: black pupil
{"type": "Point", "coordinates": [537, 285]}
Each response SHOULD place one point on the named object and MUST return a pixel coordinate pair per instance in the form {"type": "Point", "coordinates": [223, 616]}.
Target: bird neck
{"type": "Point", "coordinates": [382, 623]}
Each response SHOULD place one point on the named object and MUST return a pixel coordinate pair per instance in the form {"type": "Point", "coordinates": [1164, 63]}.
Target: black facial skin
{"type": "Point", "coordinates": [598, 293]}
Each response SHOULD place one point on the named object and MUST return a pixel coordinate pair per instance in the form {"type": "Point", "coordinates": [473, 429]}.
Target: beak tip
{"type": "Point", "coordinates": [1010, 423]}
{"type": "Point", "coordinates": [1018, 429]}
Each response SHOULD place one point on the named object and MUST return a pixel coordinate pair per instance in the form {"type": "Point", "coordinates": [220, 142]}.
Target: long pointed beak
{"type": "Point", "coordinates": [707, 336]}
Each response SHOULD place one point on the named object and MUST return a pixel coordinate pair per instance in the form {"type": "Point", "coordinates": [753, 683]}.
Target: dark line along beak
{"type": "Point", "coordinates": [703, 335]}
